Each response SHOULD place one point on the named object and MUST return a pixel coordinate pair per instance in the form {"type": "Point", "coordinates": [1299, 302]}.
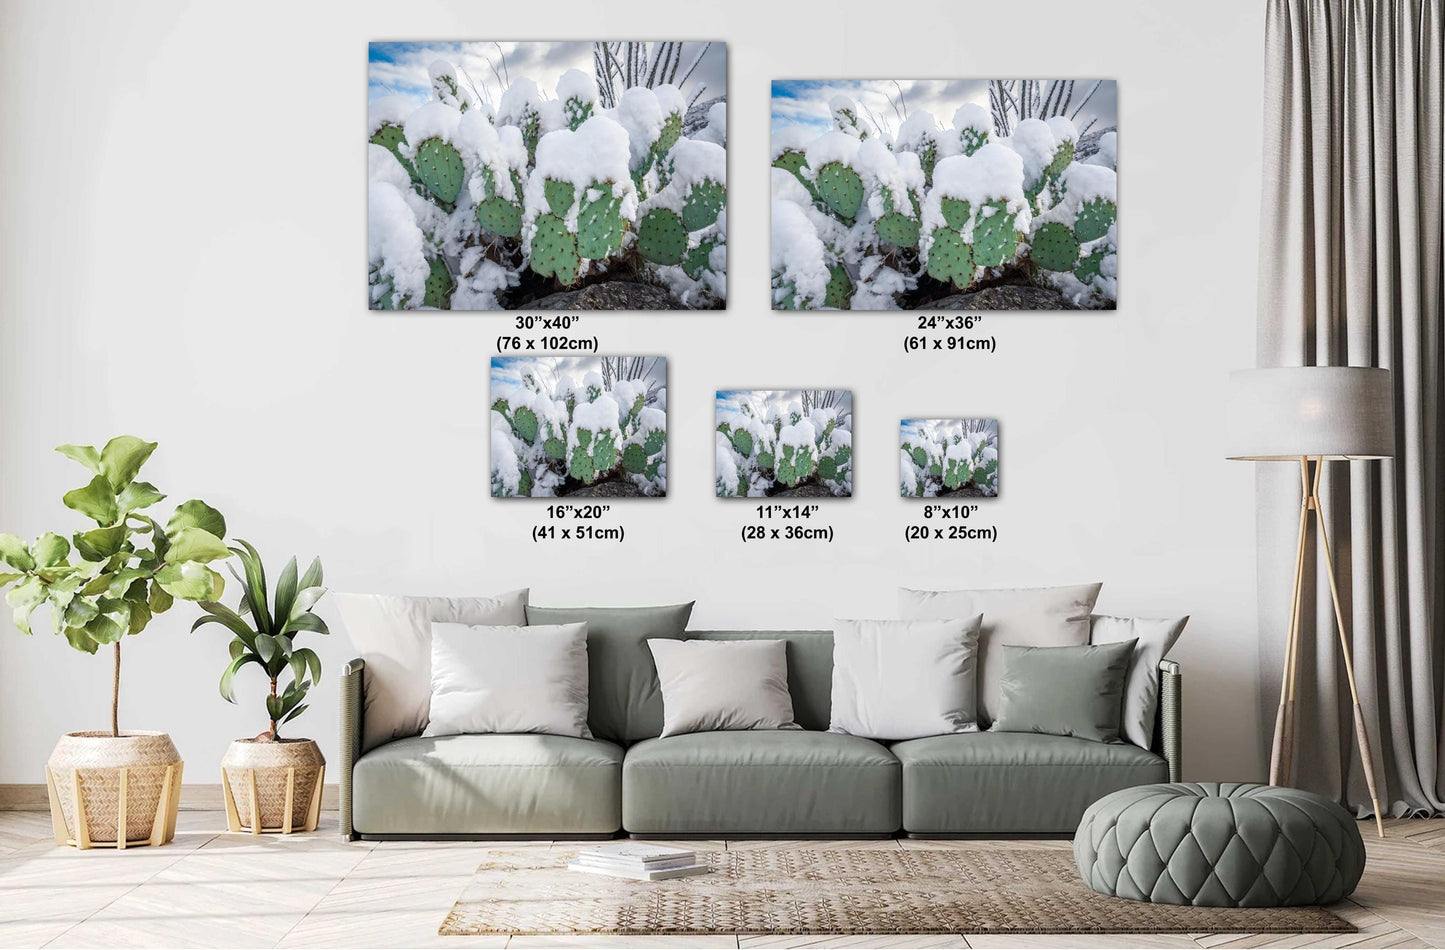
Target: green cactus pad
{"type": "Point", "coordinates": [841, 188]}
{"type": "Point", "coordinates": [671, 132]}
{"type": "Point", "coordinates": [950, 259]}
{"type": "Point", "coordinates": [766, 460]}
{"type": "Point", "coordinates": [843, 454]}
{"type": "Point", "coordinates": [928, 159]}
{"type": "Point", "coordinates": [604, 452]}
{"type": "Point", "coordinates": [634, 459]}
{"type": "Point", "coordinates": [600, 225]}
{"type": "Point", "coordinates": [955, 212]}
{"type": "Point", "coordinates": [500, 217]}
{"type": "Point", "coordinates": [704, 200]}
{"type": "Point", "coordinates": [439, 168]}
{"type": "Point", "coordinates": [840, 288]}
{"type": "Point", "coordinates": [439, 285]}
{"type": "Point", "coordinates": [559, 196]}
{"type": "Point", "coordinates": [654, 442]}
{"type": "Point", "coordinates": [1063, 155]}
{"type": "Point", "coordinates": [920, 457]}
{"type": "Point", "coordinates": [1090, 266]}
{"type": "Point", "coordinates": [698, 259]}
{"type": "Point", "coordinates": [661, 237]}
{"type": "Point", "coordinates": [524, 424]}
{"type": "Point", "coordinates": [577, 112]}
{"type": "Point", "coordinates": [1055, 247]}
{"type": "Point", "coordinates": [386, 300]}
{"type": "Point", "coordinates": [1094, 219]}
{"type": "Point", "coordinates": [581, 467]}
{"type": "Point", "coordinates": [994, 238]}
{"type": "Point", "coordinates": [787, 473]}
{"type": "Point", "coordinates": [828, 467]}
{"type": "Point", "coordinates": [555, 448]}
{"type": "Point", "coordinates": [792, 161]}
{"type": "Point", "coordinates": [390, 137]}
{"type": "Point", "coordinates": [972, 140]}
{"type": "Point", "coordinates": [743, 442]}
{"type": "Point", "coordinates": [898, 229]}
{"type": "Point", "coordinates": [554, 250]}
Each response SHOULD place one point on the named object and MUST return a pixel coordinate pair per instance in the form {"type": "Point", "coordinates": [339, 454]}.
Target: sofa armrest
{"type": "Point", "coordinates": [1169, 729]}
{"type": "Point", "coordinates": [352, 685]}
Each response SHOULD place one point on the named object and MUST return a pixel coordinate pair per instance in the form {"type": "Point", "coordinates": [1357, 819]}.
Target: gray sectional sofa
{"type": "Point", "coordinates": [787, 783]}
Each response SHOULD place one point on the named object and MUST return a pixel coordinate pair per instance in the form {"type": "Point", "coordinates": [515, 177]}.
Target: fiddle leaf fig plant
{"type": "Point", "coordinates": [106, 583]}
{"type": "Point", "coordinates": [266, 637]}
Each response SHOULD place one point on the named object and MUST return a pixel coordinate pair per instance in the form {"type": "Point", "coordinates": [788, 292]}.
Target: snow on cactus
{"type": "Point", "coordinates": [903, 213]}
{"type": "Point", "coordinates": [941, 458]}
{"type": "Point", "coordinates": [1074, 243]}
{"type": "Point", "coordinates": [579, 426]}
{"type": "Point", "coordinates": [784, 443]}
{"type": "Point", "coordinates": [527, 187]}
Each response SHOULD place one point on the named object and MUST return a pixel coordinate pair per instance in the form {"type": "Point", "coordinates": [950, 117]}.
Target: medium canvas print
{"type": "Point", "coordinates": [784, 442]}
{"type": "Point", "coordinates": [965, 194]}
{"type": "Point", "coordinates": [948, 458]}
{"type": "Point", "coordinates": [579, 426]}
{"type": "Point", "coordinates": [547, 176]}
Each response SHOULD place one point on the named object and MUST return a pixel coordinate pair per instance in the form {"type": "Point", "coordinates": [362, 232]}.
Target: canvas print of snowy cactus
{"type": "Point", "coordinates": [547, 176]}
{"type": "Point", "coordinates": [942, 458]}
{"type": "Point", "coordinates": [586, 426]}
{"type": "Point", "coordinates": [784, 442]}
{"type": "Point", "coordinates": [948, 195]}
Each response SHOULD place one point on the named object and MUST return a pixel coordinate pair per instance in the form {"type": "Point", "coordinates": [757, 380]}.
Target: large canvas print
{"type": "Point", "coordinates": [547, 176]}
{"type": "Point", "coordinates": [948, 458]}
{"type": "Point", "coordinates": [966, 194]}
{"type": "Point", "coordinates": [784, 442]}
{"type": "Point", "coordinates": [579, 426]}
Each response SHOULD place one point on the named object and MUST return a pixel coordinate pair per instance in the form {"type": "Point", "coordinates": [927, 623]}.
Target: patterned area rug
{"type": "Point", "coordinates": [817, 891]}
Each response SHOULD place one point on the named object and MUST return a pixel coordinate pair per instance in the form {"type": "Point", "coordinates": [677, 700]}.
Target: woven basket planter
{"type": "Point", "coordinates": [273, 787]}
{"type": "Point", "coordinates": [114, 791]}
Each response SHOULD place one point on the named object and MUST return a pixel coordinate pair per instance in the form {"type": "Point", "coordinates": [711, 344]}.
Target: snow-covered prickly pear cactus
{"type": "Point", "coordinates": [765, 447]}
{"type": "Point", "coordinates": [469, 204]}
{"type": "Point", "coordinates": [948, 457]}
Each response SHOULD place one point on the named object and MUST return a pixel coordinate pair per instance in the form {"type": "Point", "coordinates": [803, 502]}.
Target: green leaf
{"type": "Point", "coordinates": [312, 577]}
{"type": "Point", "coordinates": [228, 678]}
{"type": "Point", "coordinates": [273, 707]}
{"type": "Point", "coordinates": [84, 454]}
{"type": "Point", "coordinates": [138, 495]}
{"type": "Point", "coordinates": [197, 514]}
{"type": "Point", "coordinates": [24, 598]}
{"type": "Point", "coordinates": [254, 593]}
{"type": "Point", "coordinates": [312, 663]}
{"type": "Point", "coordinates": [112, 623]}
{"type": "Point", "coordinates": [97, 544]}
{"type": "Point", "coordinates": [79, 638]}
{"type": "Point", "coordinates": [294, 713]}
{"type": "Point", "coordinates": [267, 647]}
{"type": "Point", "coordinates": [159, 600]}
{"type": "Point", "coordinates": [140, 615]}
{"type": "Point", "coordinates": [50, 550]}
{"type": "Point", "coordinates": [228, 618]}
{"type": "Point", "coordinates": [308, 622]}
{"type": "Point", "coordinates": [195, 544]}
{"type": "Point", "coordinates": [96, 501]}
{"type": "Point", "coordinates": [80, 612]}
{"type": "Point", "coordinates": [286, 589]}
{"type": "Point", "coordinates": [305, 600]}
{"type": "Point", "coordinates": [7, 578]}
{"type": "Point", "coordinates": [237, 647]}
{"type": "Point", "coordinates": [122, 458]}
{"type": "Point", "coordinates": [190, 580]}
{"type": "Point", "coordinates": [14, 552]}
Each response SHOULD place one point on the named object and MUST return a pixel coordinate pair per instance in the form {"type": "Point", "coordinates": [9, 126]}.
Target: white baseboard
{"type": "Point", "coordinates": [195, 796]}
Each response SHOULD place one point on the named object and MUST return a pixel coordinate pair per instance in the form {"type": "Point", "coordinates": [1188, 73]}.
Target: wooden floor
{"type": "Point", "coordinates": [212, 889]}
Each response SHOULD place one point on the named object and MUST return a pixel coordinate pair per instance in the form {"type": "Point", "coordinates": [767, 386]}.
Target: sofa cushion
{"type": "Point", "coordinates": [1013, 782]}
{"type": "Point", "coordinates": [810, 668]}
{"type": "Point", "coordinates": [777, 783]}
{"type": "Point", "coordinates": [623, 693]}
{"type": "Point", "coordinates": [489, 785]}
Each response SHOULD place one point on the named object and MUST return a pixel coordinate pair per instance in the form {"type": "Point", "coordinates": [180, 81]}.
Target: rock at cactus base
{"type": "Point", "coordinates": [661, 237]}
{"type": "Point", "coordinates": [610, 295]}
{"type": "Point", "coordinates": [440, 169]}
{"type": "Point", "coordinates": [1003, 297]}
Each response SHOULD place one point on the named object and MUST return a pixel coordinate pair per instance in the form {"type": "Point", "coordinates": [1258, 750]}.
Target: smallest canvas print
{"type": "Point", "coordinates": [784, 443]}
{"type": "Point", "coordinates": [948, 458]}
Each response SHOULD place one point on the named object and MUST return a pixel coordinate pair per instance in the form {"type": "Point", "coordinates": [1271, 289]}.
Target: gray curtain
{"type": "Point", "coordinates": [1350, 274]}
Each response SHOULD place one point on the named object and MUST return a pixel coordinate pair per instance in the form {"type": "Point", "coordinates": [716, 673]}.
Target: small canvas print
{"type": "Point", "coordinates": [784, 442]}
{"type": "Point", "coordinates": [948, 458]}
{"type": "Point", "coordinates": [547, 176]}
{"type": "Point", "coordinates": [963, 194]}
{"type": "Point", "coordinates": [579, 426]}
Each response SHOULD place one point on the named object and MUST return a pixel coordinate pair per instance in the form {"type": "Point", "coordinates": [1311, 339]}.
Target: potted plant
{"type": "Point", "coordinates": [113, 788]}
{"type": "Point", "coordinates": [272, 784]}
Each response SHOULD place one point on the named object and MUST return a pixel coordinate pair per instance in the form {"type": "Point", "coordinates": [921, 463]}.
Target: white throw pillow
{"type": "Point", "coordinates": [901, 679]}
{"type": "Point", "coordinates": [511, 679]}
{"type": "Point", "coordinates": [716, 685]}
{"type": "Point", "coordinates": [393, 636]}
{"type": "Point", "coordinates": [1022, 617]}
{"type": "Point", "coordinates": [1154, 637]}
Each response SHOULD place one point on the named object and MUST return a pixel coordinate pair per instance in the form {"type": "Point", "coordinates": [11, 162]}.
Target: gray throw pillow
{"type": "Point", "coordinates": [717, 686]}
{"type": "Point", "coordinates": [1064, 691]}
{"type": "Point", "coordinates": [1022, 616]}
{"type": "Point", "coordinates": [1153, 637]}
{"type": "Point", "coordinates": [623, 693]}
{"type": "Point", "coordinates": [904, 679]}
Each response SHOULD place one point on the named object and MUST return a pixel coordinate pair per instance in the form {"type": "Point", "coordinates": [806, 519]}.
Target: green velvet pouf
{"type": "Point", "coordinates": [1219, 845]}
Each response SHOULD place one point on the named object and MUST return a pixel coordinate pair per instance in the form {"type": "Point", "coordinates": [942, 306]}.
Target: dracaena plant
{"type": "Point", "coordinates": [264, 630]}
{"type": "Point", "coordinates": [108, 582]}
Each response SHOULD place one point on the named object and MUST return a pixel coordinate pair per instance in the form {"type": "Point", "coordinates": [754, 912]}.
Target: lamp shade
{"type": "Point", "coordinates": [1336, 412]}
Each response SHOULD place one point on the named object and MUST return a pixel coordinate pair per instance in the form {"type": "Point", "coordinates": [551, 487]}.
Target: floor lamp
{"type": "Point", "coordinates": [1310, 415]}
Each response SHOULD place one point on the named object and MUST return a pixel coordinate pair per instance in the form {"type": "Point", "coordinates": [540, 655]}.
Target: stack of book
{"type": "Point", "coordinates": [638, 861]}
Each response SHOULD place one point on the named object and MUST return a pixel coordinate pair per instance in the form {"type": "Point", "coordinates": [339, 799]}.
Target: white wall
{"type": "Point", "coordinates": [181, 257]}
